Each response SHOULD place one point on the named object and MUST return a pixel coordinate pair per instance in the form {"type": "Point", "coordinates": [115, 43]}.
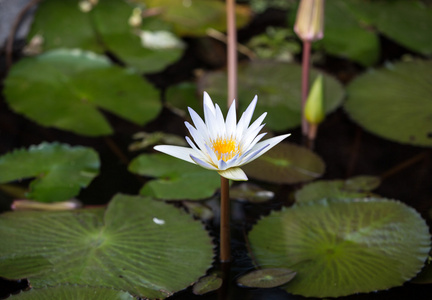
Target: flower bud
{"type": "Point", "coordinates": [314, 108]}
{"type": "Point", "coordinates": [309, 24]}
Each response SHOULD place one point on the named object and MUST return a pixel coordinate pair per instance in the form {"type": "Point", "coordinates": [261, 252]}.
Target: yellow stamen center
{"type": "Point", "coordinates": [225, 148]}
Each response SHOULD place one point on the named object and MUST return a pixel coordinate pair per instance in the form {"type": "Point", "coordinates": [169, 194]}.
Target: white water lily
{"type": "Point", "coordinates": [222, 145]}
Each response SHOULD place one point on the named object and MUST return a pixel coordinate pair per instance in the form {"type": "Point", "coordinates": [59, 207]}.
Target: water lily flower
{"type": "Point", "coordinates": [222, 145]}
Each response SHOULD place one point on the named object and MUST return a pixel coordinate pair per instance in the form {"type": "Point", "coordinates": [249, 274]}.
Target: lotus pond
{"type": "Point", "coordinates": [89, 210]}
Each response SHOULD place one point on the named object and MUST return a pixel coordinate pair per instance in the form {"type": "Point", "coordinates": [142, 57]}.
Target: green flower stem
{"type": "Point", "coordinates": [225, 247]}
{"type": "Point", "coordinates": [305, 83]}
{"type": "Point", "coordinates": [231, 51]}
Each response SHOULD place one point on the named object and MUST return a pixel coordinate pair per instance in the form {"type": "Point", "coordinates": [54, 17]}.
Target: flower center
{"type": "Point", "coordinates": [225, 149]}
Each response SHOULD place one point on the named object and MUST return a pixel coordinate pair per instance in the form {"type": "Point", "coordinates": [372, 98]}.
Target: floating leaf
{"type": "Point", "coordinates": [199, 210]}
{"type": "Point", "coordinates": [196, 17]}
{"type": "Point", "coordinates": [60, 170]}
{"type": "Point", "coordinates": [207, 284]}
{"type": "Point", "coordinates": [139, 245]}
{"type": "Point", "coordinates": [286, 163]}
{"type": "Point", "coordinates": [105, 28]}
{"type": "Point", "coordinates": [177, 179]}
{"type": "Point", "coordinates": [342, 247]}
{"type": "Point", "coordinates": [395, 102]}
{"type": "Point", "coordinates": [359, 186]}
{"type": "Point", "coordinates": [346, 36]}
{"type": "Point", "coordinates": [111, 22]}
{"type": "Point", "coordinates": [266, 278]}
{"type": "Point", "coordinates": [250, 192]}
{"type": "Point", "coordinates": [66, 88]}
{"type": "Point", "coordinates": [278, 86]}
{"type": "Point", "coordinates": [406, 22]}
{"type": "Point", "coordinates": [53, 21]}
{"type": "Point", "coordinates": [73, 292]}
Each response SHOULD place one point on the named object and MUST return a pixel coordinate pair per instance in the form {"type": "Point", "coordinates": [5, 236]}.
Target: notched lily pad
{"type": "Point", "coordinates": [60, 170]}
{"type": "Point", "coordinates": [176, 179]}
{"type": "Point", "coordinates": [359, 186]}
{"type": "Point", "coordinates": [66, 89]}
{"type": "Point", "coordinates": [145, 247]}
{"type": "Point", "coordinates": [266, 278]}
{"type": "Point", "coordinates": [286, 163]}
{"type": "Point", "coordinates": [73, 292]}
{"type": "Point", "coordinates": [207, 284]}
{"type": "Point", "coordinates": [342, 247]}
{"type": "Point", "coordinates": [395, 102]}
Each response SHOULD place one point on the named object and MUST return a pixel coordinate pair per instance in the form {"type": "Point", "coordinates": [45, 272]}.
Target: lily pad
{"type": "Point", "coordinates": [207, 284]}
{"type": "Point", "coordinates": [73, 292]}
{"type": "Point", "coordinates": [343, 247]}
{"type": "Point", "coordinates": [346, 36]}
{"type": "Point", "coordinates": [278, 86]}
{"type": "Point", "coordinates": [60, 170]}
{"type": "Point", "coordinates": [176, 179]}
{"type": "Point", "coordinates": [407, 22]}
{"type": "Point", "coordinates": [194, 18]}
{"type": "Point", "coordinates": [145, 247]}
{"type": "Point", "coordinates": [111, 22]}
{"type": "Point", "coordinates": [266, 278]}
{"type": "Point", "coordinates": [286, 163]}
{"type": "Point", "coordinates": [104, 28]}
{"type": "Point", "coordinates": [355, 187]}
{"type": "Point", "coordinates": [395, 102]}
{"type": "Point", "coordinates": [250, 192]}
{"type": "Point", "coordinates": [67, 88]}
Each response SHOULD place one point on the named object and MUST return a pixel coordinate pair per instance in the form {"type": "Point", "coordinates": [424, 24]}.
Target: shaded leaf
{"type": "Point", "coordinates": [250, 192]}
{"type": "Point", "coordinates": [66, 88]}
{"type": "Point", "coordinates": [359, 186]}
{"type": "Point", "coordinates": [286, 163]}
{"type": "Point", "coordinates": [195, 17]}
{"type": "Point", "coordinates": [73, 292]}
{"type": "Point", "coordinates": [139, 245]}
{"type": "Point", "coordinates": [207, 284]}
{"type": "Point", "coordinates": [176, 179]}
{"type": "Point", "coordinates": [342, 247]}
{"type": "Point", "coordinates": [266, 278]}
{"type": "Point", "coordinates": [60, 170]}
{"type": "Point", "coordinates": [383, 100]}
{"type": "Point", "coordinates": [278, 86]}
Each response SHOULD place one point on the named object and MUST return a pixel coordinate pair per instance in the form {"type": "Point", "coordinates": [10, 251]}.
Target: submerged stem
{"type": "Point", "coordinates": [225, 247]}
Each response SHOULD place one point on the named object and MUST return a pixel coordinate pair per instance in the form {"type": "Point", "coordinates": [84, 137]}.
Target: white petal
{"type": "Point", "coordinates": [231, 120]}
{"type": "Point", "coordinates": [208, 103]}
{"type": "Point", "coordinates": [220, 121]}
{"type": "Point", "coordinates": [266, 145]}
{"type": "Point", "coordinates": [254, 153]}
{"type": "Point", "coordinates": [197, 137]}
{"type": "Point", "coordinates": [249, 136]}
{"type": "Point", "coordinates": [192, 144]}
{"type": "Point", "coordinates": [211, 121]}
{"type": "Point", "coordinates": [233, 161]}
{"type": "Point", "coordinates": [253, 143]}
{"type": "Point", "coordinates": [202, 163]}
{"type": "Point", "coordinates": [233, 174]}
{"type": "Point", "coordinates": [257, 122]}
{"type": "Point", "coordinates": [198, 122]}
{"type": "Point", "coordinates": [246, 117]}
{"type": "Point", "coordinates": [183, 153]}
{"type": "Point", "coordinates": [212, 155]}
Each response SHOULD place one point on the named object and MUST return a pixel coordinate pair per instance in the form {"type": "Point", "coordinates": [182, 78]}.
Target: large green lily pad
{"type": "Point", "coordinates": [104, 28]}
{"type": "Point", "coordinates": [67, 88]}
{"type": "Point", "coordinates": [145, 247]}
{"type": "Point", "coordinates": [194, 18]}
{"type": "Point", "coordinates": [176, 179]}
{"type": "Point", "coordinates": [355, 187]}
{"type": "Point", "coordinates": [73, 292]}
{"type": "Point", "coordinates": [395, 102]}
{"type": "Point", "coordinates": [407, 22]}
{"type": "Point", "coordinates": [60, 170]}
{"type": "Point", "coordinates": [342, 247]}
{"type": "Point", "coordinates": [346, 36]}
{"type": "Point", "coordinates": [286, 163]}
{"type": "Point", "coordinates": [278, 86]}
